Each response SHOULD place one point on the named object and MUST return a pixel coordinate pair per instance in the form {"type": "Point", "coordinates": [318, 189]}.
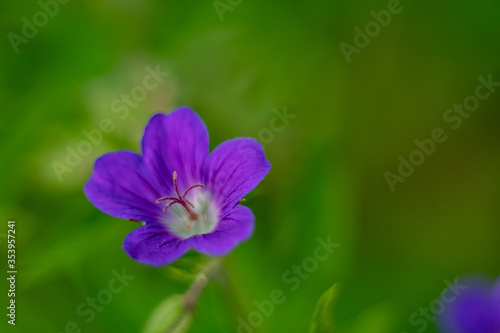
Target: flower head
{"type": "Point", "coordinates": [476, 309]}
{"type": "Point", "coordinates": [186, 196]}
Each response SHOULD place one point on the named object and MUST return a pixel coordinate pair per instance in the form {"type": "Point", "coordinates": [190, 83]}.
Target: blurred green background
{"type": "Point", "coordinates": [352, 121]}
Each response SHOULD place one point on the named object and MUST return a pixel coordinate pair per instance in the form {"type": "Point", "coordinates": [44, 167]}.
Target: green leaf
{"type": "Point", "coordinates": [322, 321]}
{"type": "Point", "coordinates": [171, 316]}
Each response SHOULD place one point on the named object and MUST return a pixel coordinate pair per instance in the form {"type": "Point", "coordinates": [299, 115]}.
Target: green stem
{"type": "Point", "coordinates": [192, 295]}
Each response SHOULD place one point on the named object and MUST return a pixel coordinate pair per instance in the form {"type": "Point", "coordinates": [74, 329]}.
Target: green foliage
{"type": "Point", "coordinates": [323, 317]}
{"type": "Point", "coordinates": [169, 317]}
{"type": "Point", "coordinates": [352, 122]}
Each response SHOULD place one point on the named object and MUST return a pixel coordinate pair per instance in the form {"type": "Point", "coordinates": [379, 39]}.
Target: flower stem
{"type": "Point", "coordinates": [193, 293]}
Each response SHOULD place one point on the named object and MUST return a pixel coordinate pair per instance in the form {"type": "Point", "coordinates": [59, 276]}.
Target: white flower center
{"type": "Point", "coordinates": [190, 214]}
{"type": "Point", "coordinates": [184, 225]}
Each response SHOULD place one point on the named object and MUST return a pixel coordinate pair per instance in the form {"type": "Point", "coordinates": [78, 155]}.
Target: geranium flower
{"type": "Point", "coordinates": [186, 196]}
{"type": "Point", "coordinates": [475, 310]}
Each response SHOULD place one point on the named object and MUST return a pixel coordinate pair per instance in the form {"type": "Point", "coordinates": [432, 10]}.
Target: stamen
{"type": "Point", "coordinates": [170, 204]}
{"type": "Point", "coordinates": [175, 184]}
{"type": "Point", "coordinates": [180, 200]}
{"type": "Point", "coordinates": [165, 198]}
{"type": "Point", "coordinates": [191, 187]}
{"type": "Point", "coordinates": [134, 220]}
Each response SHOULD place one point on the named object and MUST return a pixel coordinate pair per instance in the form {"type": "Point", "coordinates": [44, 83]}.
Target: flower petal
{"type": "Point", "coordinates": [496, 300]}
{"type": "Point", "coordinates": [235, 228]}
{"type": "Point", "coordinates": [152, 244]}
{"type": "Point", "coordinates": [123, 187]}
{"type": "Point", "coordinates": [471, 310]}
{"type": "Point", "coordinates": [236, 167]}
{"type": "Point", "coordinates": [176, 142]}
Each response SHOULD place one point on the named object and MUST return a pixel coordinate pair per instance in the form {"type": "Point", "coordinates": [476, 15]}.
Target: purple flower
{"type": "Point", "coordinates": [475, 310]}
{"type": "Point", "coordinates": [186, 196]}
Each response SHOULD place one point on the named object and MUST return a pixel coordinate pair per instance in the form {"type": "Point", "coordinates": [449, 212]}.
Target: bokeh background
{"type": "Point", "coordinates": [352, 121]}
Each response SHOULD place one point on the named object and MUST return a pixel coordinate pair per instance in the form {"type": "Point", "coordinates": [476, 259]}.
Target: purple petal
{"type": "Point", "coordinates": [496, 301]}
{"type": "Point", "coordinates": [235, 168]}
{"type": "Point", "coordinates": [235, 228]}
{"type": "Point", "coordinates": [152, 244]}
{"type": "Point", "coordinates": [176, 142]}
{"type": "Point", "coordinates": [123, 187]}
{"type": "Point", "coordinates": [472, 311]}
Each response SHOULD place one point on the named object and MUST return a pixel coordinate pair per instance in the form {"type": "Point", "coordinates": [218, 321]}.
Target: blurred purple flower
{"type": "Point", "coordinates": [475, 310]}
{"type": "Point", "coordinates": [186, 196]}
